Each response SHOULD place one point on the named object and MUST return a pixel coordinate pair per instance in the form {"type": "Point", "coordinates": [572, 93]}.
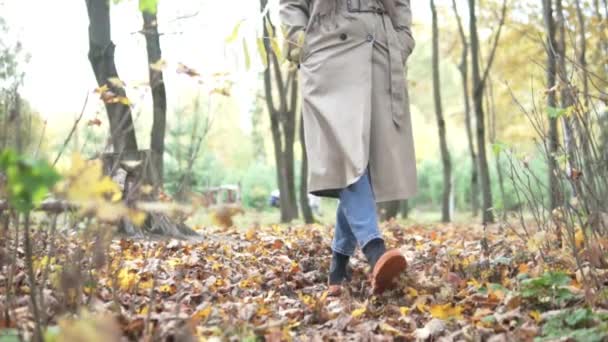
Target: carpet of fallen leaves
{"type": "Point", "coordinates": [463, 283]}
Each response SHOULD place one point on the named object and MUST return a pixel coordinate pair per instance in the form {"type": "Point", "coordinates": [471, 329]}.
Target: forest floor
{"type": "Point", "coordinates": [464, 282]}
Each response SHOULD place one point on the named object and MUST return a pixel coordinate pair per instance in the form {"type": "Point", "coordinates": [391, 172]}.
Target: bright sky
{"type": "Point", "coordinates": [59, 76]}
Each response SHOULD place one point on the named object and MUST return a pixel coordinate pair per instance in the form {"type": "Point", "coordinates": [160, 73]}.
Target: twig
{"type": "Point", "coordinates": [67, 140]}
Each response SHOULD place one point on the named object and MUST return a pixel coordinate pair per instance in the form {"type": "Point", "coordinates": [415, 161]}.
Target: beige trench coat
{"type": "Point", "coordinates": [354, 96]}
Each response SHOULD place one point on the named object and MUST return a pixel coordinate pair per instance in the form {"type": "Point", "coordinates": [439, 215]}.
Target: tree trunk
{"type": "Point", "coordinates": [282, 123]}
{"type": "Point", "coordinates": [405, 209]}
{"type": "Point", "coordinates": [582, 123]}
{"type": "Point", "coordinates": [554, 196]}
{"type": "Point", "coordinates": [306, 210]}
{"type": "Point", "coordinates": [6, 121]}
{"type": "Point", "coordinates": [389, 210]}
{"type": "Point", "coordinates": [478, 92]}
{"type": "Point", "coordinates": [463, 67]}
{"type": "Point", "coordinates": [159, 96]}
{"type": "Point", "coordinates": [446, 215]}
{"type": "Point", "coordinates": [18, 117]}
{"type": "Point", "coordinates": [101, 56]}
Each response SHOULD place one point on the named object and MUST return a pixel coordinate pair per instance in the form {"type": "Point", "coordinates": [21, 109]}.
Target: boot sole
{"type": "Point", "coordinates": [387, 269]}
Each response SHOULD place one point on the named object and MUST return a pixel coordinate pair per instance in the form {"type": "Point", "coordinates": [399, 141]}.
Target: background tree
{"type": "Point", "coordinates": [551, 71]}
{"type": "Point", "coordinates": [463, 68]}
{"type": "Point", "coordinates": [479, 82]}
{"type": "Point", "coordinates": [304, 204]}
{"type": "Point", "coordinates": [446, 213]}
{"type": "Point", "coordinates": [101, 56]}
{"type": "Point", "coordinates": [159, 95]}
{"type": "Point", "coordinates": [281, 86]}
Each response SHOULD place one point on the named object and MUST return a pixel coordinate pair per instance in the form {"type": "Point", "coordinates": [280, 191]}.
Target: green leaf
{"type": "Point", "coordinates": [247, 56]}
{"type": "Point", "coordinates": [579, 316]}
{"type": "Point", "coordinates": [27, 181]}
{"type": "Point", "coordinates": [262, 51]}
{"type": "Point", "coordinates": [235, 32]}
{"type": "Point", "coordinates": [149, 6]}
{"type": "Point", "coordinates": [499, 147]}
{"type": "Point", "coordinates": [555, 113]}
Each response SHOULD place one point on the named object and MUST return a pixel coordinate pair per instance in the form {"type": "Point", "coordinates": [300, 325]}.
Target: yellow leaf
{"type": "Point", "coordinates": [387, 328]}
{"type": "Point", "coordinates": [137, 217]}
{"type": "Point", "coordinates": [262, 51]}
{"type": "Point", "coordinates": [159, 65]}
{"type": "Point", "coordinates": [269, 29]}
{"type": "Point", "coordinates": [447, 311]}
{"type": "Point", "coordinates": [263, 311]}
{"type": "Point", "coordinates": [422, 307]}
{"type": "Point", "coordinates": [250, 234]}
{"type": "Point", "coordinates": [358, 312]}
{"type": "Point", "coordinates": [579, 238]}
{"type": "Point", "coordinates": [123, 100]}
{"type": "Point", "coordinates": [127, 278]}
{"type": "Point", "coordinates": [412, 292]}
{"type": "Point", "coordinates": [536, 315]}
{"type": "Point", "coordinates": [404, 310]}
{"type": "Point", "coordinates": [235, 32]}
{"type": "Point", "coordinates": [202, 314]}
{"type": "Point", "coordinates": [246, 54]}
{"type": "Point", "coordinates": [116, 82]}
{"type": "Point", "coordinates": [167, 289]}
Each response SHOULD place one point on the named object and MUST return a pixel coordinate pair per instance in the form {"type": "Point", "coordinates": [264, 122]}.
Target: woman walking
{"type": "Point", "coordinates": [352, 58]}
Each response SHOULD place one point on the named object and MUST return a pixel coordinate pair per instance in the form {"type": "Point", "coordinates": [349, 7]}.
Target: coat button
{"type": "Point", "coordinates": [343, 36]}
{"type": "Point", "coordinates": [370, 38]}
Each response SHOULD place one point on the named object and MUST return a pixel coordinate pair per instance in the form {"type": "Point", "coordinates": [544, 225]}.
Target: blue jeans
{"type": "Point", "coordinates": [357, 220]}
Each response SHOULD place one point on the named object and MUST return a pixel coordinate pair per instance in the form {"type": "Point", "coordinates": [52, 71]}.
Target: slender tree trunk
{"type": "Point", "coordinates": [463, 67]}
{"type": "Point", "coordinates": [583, 122]}
{"type": "Point", "coordinates": [101, 56]}
{"type": "Point", "coordinates": [304, 204]}
{"type": "Point", "coordinates": [555, 196]}
{"type": "Point", "coordinates": [478, 92]}
{"type": "Point", "coordinates": [290, 137]}
{"type": "Point", "coordinates": [389, 210]}
{"type": "Point", "coordinates": [6, 121]}
{"type": "Point", "coordinates": [405, 209]}
{"type": "Point", "coordinates": [493, 140]}
{"type": "Point", "coordinates": [601, 18]}
{"type": "Point", "coordinates": [159, 96]}
{"type": "Point", "coordinates": [445, 153]}
{"type": "Point", "coordinates": [18, 115]}
{"type": "Point", "coordinates": [282, 121]}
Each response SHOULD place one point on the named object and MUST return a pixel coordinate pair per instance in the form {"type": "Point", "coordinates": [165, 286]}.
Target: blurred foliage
{"type": "Point", "coordinates": [27, 181]}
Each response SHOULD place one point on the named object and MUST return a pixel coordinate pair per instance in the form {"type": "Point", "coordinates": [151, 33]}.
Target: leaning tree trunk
{"type": "Point", "coordinates": [551, 45]}
{"type": "Point", "coordinates": [282, 122]}
{"type": "Point", "coordinates": [159, 96]}
{"type": "Point", "coordinates": [463, 67]}
{"type": "Point", "coordinates": [306, 210]}
{"type": "Point", "coordinates": [101, 56]}
{"type": "Point", "coordinates": [446, 215]}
